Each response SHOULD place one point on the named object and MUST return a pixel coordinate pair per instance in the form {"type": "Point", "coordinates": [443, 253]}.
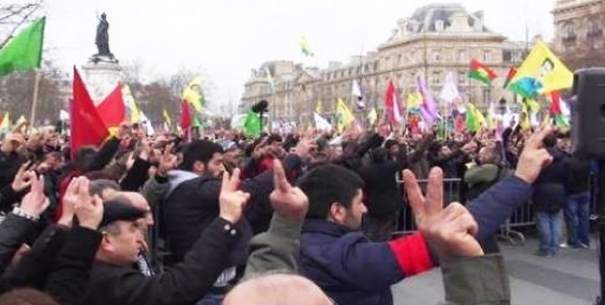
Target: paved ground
{"type": "Point", "coordinates": [571, 278]}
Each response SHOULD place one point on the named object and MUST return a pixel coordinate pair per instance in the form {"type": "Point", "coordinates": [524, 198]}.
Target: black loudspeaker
{"type": "Point", "coordinates": [588, 113]}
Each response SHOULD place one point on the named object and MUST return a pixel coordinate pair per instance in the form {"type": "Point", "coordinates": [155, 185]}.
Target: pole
{"type": "Point", "coordinates": [32, 116]}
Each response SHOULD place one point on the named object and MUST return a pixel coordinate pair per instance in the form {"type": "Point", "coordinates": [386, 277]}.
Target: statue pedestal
{"type": "Point", "coordinates": [102, 75]}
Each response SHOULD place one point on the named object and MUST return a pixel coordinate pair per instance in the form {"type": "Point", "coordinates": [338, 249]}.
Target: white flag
{"type": "Point", "coordinates": [321, 123]}
{"type": "Point", "coordinates": [356, 92]}
{"type": "Point", "coordinates": [449, 92]}
{"type": "Point", "coordinates": [147, 124]}
{"type": "Point", "coordinates": [63, 115]}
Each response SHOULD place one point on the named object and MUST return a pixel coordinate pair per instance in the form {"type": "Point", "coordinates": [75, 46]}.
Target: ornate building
{"type": "Point", "coordinates": [435, 40]}
{"type": "Point", "coordinates": [579, 36]}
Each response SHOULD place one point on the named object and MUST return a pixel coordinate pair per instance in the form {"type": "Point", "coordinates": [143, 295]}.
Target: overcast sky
{"type": "Point", "coordinates": [229, 37]}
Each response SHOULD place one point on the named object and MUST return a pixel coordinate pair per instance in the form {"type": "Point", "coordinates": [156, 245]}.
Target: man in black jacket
{"type": "Point", "coordinates": [577, 209]}
{"type": "Point", "coordinates": [382, 192]}
{"type": "Point", "coordinates": [115, 281]}
{"type": "Point", "coordinates": [192, 205]}
{"type": "Point", "coordinates": [549, 197]}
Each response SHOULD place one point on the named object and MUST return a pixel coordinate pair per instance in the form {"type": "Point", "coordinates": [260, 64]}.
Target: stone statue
{"type": "Point", "coordinates": [102, 40]}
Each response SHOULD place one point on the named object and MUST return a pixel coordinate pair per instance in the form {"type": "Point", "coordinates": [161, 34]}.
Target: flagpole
{"type": "Point", "coordinates": [32, 117]}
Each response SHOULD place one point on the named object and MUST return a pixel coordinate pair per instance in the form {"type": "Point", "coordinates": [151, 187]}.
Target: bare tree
{"type": "Point", "coordinates": [13, 14]}
{"type": "Point", "coordinates": [16, 92]}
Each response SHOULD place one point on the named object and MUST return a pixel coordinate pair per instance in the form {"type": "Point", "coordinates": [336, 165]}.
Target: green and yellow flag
{"type": "Point", "coordinates": [167, 118]}
{"type": "Point", "coordinates": [542, 72]}
{"type": "Point", "coordinates": [474, 118]}
{"type": "Point", "coordinates": [252, 125]}
{"type": "Point", "coordinates": [344, 115]}
{"type": "Point", "coordinates": [24, 51]}
{"type": "Point", "coordinates": [319, 107]}
{"type": "Point", "coordinates": [192, 94]}
{"type": "Point", "coordinates": [133, 109]}
{"type": "Point", "coordinates": [372, 116]}
{"type": "Point", "coordinates": [304, 47]}
{"type": "Point", "coordinates": [5, 125]}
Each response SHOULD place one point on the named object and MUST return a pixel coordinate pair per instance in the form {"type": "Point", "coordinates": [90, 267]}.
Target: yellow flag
{"type": "Point", "coordinates": [135, 112]}
{"type": "Point", "coordinates": [373, 116]}
{"type": "Point", "coordinates": [414, 100]}
{"type": "Point", "coordinates": [344, 115]}
{"type": "Point", "coordinates": [192, 94]}
{"type": "Point", "coordinates": [541, 72]}
{"type": "Point", "coordinates": [167, 119]}
{"type": "Point", "coordinates": [6, 123]}
{"type": "Point", "coordinates": [318, 107]}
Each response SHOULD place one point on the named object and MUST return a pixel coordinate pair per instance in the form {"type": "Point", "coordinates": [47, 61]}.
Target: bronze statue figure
{"type": "Point", "coordinates": [102, 39]}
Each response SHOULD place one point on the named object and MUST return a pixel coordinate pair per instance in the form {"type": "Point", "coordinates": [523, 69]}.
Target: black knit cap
{"type": "Point", "coordinates": [114, 210]}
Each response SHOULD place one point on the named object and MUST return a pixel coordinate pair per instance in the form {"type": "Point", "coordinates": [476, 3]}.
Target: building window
{"type": "Point", "coordinates": [507, 55]}
{"type": "Point", "coordinates": [594, 29]}
{"type": "Point", "coordinates": [569, 33]}
{"type": "Point", "coordinates": [436, 78]}
{"type": "Point", "coordinates": [437, 56]}
{"type": "Point", "coordinates": [487, 54]}
{"type": "Point", "coordinates": [400, 60]}
{"type": "Point", "coordinates": [461, 57]}
{"type": "Point", "coordinates": [461, 77]}
{"type": "Point", "coordinates": [375, 67]}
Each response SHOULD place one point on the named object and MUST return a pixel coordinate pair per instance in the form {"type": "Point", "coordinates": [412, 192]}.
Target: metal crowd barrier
{"type": "Point", "coordinates": [451, 192]}
{"type": "Point", "coordinates": [522, 217]}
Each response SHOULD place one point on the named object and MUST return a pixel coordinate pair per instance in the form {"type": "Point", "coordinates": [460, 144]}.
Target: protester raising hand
{"type": "Point", "coordinates": [450, 230]}
{"type": "Point", "coordinates": [287, 201]}
{"type": "Point", "coordinates": [22, 178]}
{"type": "Point", "coordinates": [168, 161]}
{"type": "Point", "coordinates": [232, 201]}
{"type": "Point", "coordinates": [534, 156]}
{"type": "Point", "coordinates": [35, 202]}
{"type": "Point", "coordinates": [88, 209]}
{"type": "Point", "coordinates": [71, 197]}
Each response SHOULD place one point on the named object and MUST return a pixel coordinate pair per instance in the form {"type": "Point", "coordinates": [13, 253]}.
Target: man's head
{"type": "Point", "coordinates": [335, 194]}
{"type": "Point", "coordinates": [546, 67]}
{"type": "Point", "coordinates": [277, 289]}
{"type": "Point", "coordinates": [488, 155]}
{"type": "Point", "coordinates": [138, 201]}
{"type": "Point", "coordinates": [203, 157]}
{"type": "Point", "coordinates": [392, 146]}
{"type": "Point", "coordinates": [105, 188]}
{"type": "Point", "coordinates": [123, 239]}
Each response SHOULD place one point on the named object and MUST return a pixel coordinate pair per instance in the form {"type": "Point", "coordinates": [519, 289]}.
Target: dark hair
{"type": "Point", "coordinates": [84, 157]}
{"type": "Point", "coordinates": [26, 296]}
{"type": "Point", "coordinates": [273, 138]}
{"type": "Point", "coordinates": [379, 154]}
{"type": "Point", "coordinates": [389, 143]}
{"type": "Point", "coordinates": [327, 184]}
{"type": "Point", "coordinates": [97, 187]}
{"type": "Point", "coordinates": [199, 150]}
{"type": "Point", "coordinates": [550, 140]}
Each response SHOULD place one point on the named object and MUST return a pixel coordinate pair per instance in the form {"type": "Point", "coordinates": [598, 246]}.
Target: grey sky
{"type": "Point", "coordinates": [229, 37]}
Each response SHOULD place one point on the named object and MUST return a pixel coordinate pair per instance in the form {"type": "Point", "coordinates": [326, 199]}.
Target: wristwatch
{"type": "Point", "coordinates": [22, 213]}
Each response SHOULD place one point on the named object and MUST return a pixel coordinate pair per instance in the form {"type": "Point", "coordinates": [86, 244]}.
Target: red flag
{"type": "Point", "coordinates": [185, 116]}
{"type": "Point", "coordinates": [509, 77]}
{"type": "Point", "coordinates": [87, 127]}
{"type": "Point", "coordinates": [112, 110]}
{"type": "Point", "coordinates": [391, 101]}
{"type": "Point", "coordinates": [555, 103]}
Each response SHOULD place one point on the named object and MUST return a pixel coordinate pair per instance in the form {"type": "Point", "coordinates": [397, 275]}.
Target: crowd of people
{"type": "Point", "coordinates": [300, 218]}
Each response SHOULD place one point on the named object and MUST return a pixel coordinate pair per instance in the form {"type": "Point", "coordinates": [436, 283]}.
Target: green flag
{"type": "Point", "coordinates": [24, 51]}
{"type": "Point", "coordinates": [252, 124]}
